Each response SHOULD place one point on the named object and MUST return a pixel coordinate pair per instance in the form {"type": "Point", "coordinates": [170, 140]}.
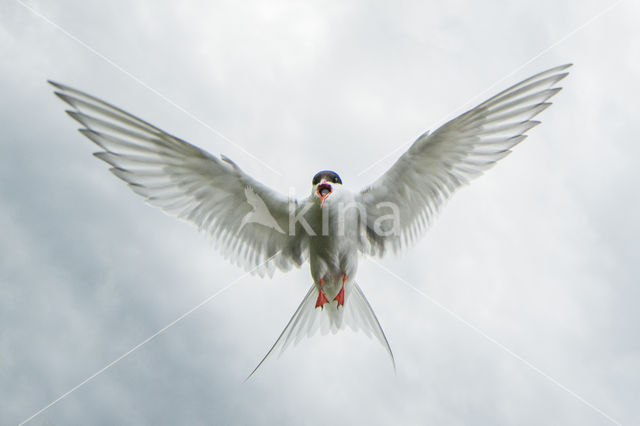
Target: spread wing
{"type": "Point", "coordinates": [416, 186]}
{"type": "Point", "coordinates": [191, 184]}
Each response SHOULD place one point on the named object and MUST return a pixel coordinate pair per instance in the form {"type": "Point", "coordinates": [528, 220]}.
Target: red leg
{"type": "Point", "coordinates": [322, 298]}
{"type": "Point", "coordinates": [340, 296]}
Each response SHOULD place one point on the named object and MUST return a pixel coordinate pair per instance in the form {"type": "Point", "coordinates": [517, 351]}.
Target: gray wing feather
{"type": "Point", "coordinates": [438, 163]}
{"type": "Point", "coordinates": [189, 183]}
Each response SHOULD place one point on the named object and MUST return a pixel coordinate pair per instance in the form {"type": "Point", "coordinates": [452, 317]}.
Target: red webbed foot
{"type": "Point", "coordinates": [322, 298]}
{"type": "Point", "coordinates": [340, 296]}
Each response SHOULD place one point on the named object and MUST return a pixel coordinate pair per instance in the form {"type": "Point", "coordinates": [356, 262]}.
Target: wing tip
{"type": "Point", "coordinates": [561, 75]}
{"type": "Point", "coordinates": [93, 136]}
{"type": "Point", "coordinates": [107, 157]}
{"type": "Point", "coordinates": [86, 131]}
{"type": "Point", "coordinates": [532, 124]}
{"type": "Point", "coordinates": [56, 84]}
{"type": "Point", "coordinates": [556, 69]}
{"type": "Point", "coordinates": [77, 116]}
{"type": "Point", "coordinates": [63, 96]}
{"type": "Point", "coordinates": [67, 99]}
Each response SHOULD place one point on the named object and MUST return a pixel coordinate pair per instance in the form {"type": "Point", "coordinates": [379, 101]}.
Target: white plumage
{"type": "Point", "coordinates": [252, 225]}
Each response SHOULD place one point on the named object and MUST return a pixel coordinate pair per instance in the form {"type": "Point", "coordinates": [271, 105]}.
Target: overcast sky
{"type": "Point", "coordinates": [540, 254]}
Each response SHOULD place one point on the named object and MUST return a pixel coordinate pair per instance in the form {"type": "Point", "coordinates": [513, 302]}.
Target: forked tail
{"type": "Point", "coordinates": [307, 320]}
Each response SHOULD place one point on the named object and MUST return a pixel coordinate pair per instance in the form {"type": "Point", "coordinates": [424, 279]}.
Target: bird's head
{"type": "Point", "coordinates": [324, 184]}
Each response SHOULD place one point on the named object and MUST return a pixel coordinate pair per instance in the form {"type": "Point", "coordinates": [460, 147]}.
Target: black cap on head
{"type": "Point", "coordinates": [328, 175]}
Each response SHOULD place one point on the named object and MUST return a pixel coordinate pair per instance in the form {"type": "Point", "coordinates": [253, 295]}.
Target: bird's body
{"type": "Point", "coordinates": [262, 231]}
{"type": "Point", "coordinates": [333, 251]}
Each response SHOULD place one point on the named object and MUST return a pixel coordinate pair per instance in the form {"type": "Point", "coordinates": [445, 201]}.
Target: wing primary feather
{"type": "Point", "coordinates": [528, 80]}
{"type": "Point", "coordinates": [439, 162]}
{"type": "Point", "coordinates": [184, 181]}
{"type": "Point", "coordinates": [105, 104]}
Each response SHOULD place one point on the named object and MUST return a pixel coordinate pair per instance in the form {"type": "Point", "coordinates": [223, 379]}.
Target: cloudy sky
{"type": "Point", "coordinates": [526, 287]}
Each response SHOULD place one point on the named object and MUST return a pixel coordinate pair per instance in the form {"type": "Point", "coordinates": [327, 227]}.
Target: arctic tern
{"type": "Point", "coordinates": [261, 230]}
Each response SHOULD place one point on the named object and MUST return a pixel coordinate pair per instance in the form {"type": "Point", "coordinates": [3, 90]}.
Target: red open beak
{"type": "Point", "coordinates": [324, 190]}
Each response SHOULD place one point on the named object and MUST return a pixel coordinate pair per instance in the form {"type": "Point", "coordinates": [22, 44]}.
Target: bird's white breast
{"type": "Point", "coordinates": [333, 251]}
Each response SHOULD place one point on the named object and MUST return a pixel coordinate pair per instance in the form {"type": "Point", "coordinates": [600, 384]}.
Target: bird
{"type": "Point", "coordinates": [261, 231]}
